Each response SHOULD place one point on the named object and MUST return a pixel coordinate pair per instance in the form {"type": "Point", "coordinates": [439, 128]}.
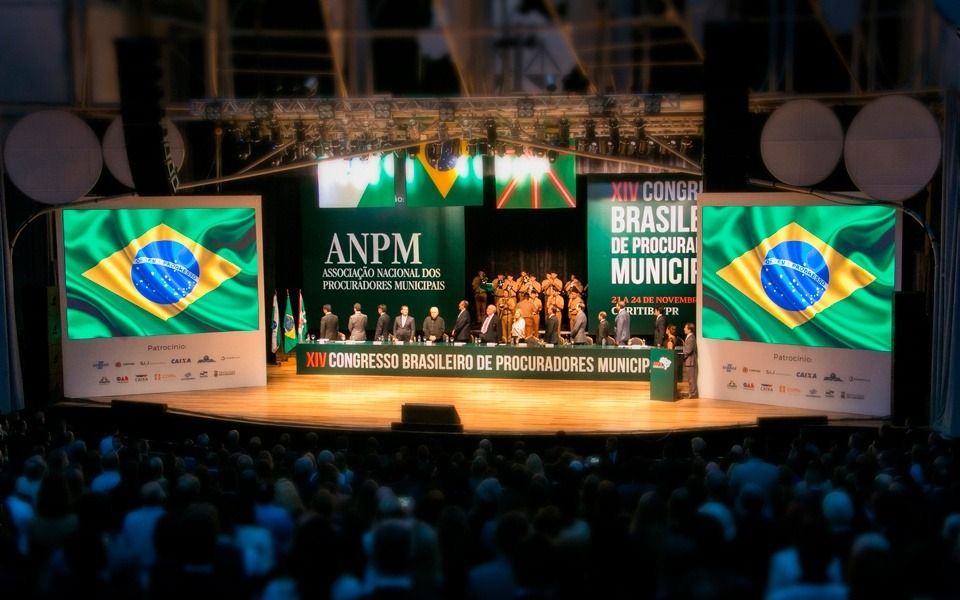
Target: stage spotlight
{"type": "Point", "coordinates": [525, 108]}
{"type": "Point", "coordinates": [614, 125]}
{"type": "Point", "coordinates": [381, 110]}
{"type": "Point", "coordinates": [325, 111]}
{"type": "Point", "coordinates": [552, 156]}
{"type": "Point", "coordinates": [596, 106]}
{"type": "Point", "coordinates": [447, 111]}
{"type": "Point", "coordinates": [564, 132]}
{"type": "Point", "coordinates": [491, 127]}
{"type": "Point", "coordinates": [686, 143]}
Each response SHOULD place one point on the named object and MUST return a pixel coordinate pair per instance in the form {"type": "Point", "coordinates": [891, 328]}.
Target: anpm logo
{"type": "Point", "coordinates": [748, 386]}
{"type": "Point", "coordinates": [206, 359]}
{"type": "Point", "coordinates": [662, 363]}
{"type": "Point", "coordinates": [732, 384]}
{"type": "Point", "coordinates": [374, 249]}
{"type": "Point", "coordinates": [806, 375]}
{"type": "Point", "coordinates": [100, 365]}
{"type": "Point", "coordinates": [180, 361]}
{"type": "Point", "coordinates": [832, 377]}
{"type": "Point", "coordinates": [729, 367]}
{"type": "Point", "coordinates": [316, 360]}
{"type": "Point", "coordinates": [123, 379]}
{"type": "Point", "coordinates": [104, 380]}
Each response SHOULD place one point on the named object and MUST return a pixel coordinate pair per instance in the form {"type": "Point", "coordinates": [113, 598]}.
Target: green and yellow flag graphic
{"type": "Point", "coordinates": [806, 275]}
{"type": "Point", "coordinates": [444, 175]}
{"type": "Point", "coordinates": [141, 272]}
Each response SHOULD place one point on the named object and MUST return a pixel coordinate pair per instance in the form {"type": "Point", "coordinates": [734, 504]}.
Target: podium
{"type": "Point", "coordinates": [663, 375]}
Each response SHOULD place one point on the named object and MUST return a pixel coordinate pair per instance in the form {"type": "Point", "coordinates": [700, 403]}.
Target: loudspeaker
{"type": "Point", "coordinates": [912, 347]}
{"type": "Point", "coordinates": [141, 93]}
{"type": "Point", "coordinates": [130, 410]}
{"type": "Point", "coordinates": [791, 422]}
{"type": "Point", "coordinates": [725, 107]}
{"type": "Point", "coordinates": [429, 417]}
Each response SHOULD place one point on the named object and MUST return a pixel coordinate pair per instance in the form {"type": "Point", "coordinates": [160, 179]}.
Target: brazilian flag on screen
{"type": "Point", "coordinates": [444, 175]}
{"type": "Point", "coordinates": [805, 275]}
{"type": "Point", "coordinates": [144, 272]}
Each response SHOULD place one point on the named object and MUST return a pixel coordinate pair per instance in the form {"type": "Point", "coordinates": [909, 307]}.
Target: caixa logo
{"type": "Point", "coordinates": [806, 375]}
{"type": "Point", "coordinates": [180, 361]}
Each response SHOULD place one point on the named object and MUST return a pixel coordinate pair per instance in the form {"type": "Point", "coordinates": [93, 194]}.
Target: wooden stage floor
{"type": "Point", "coordinates": [502, 406]}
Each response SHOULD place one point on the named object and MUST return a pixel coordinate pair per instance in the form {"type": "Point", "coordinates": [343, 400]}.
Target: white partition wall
{"type": "Point", "coordinates": [161, 294]}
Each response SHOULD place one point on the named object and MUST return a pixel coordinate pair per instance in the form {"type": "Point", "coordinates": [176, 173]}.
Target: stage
{"type": "Point", "coordinates": [495, 406]}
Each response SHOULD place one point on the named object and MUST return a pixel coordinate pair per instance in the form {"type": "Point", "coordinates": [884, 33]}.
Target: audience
{"type": "Point", "coordinates": [105, 514]}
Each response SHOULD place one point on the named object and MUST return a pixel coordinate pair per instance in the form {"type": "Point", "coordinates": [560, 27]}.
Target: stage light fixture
{"type": "Point", "coordinates": [262, 110]}
{"type": "Point", "coordinates": [382, 110]}
{"type": "Point", "coordinates": [613, 124]}
{"type": "Point", "coordinates": [564, 132]}
{"type": "Point", "coordinates": [491, 127]}
{"type": "Point", "coordinates": [686, 143]}
{"type": "Point", "coordinates": [596, 106]}
{"type": "Point", "coordinates": [552, 156]}
{"type": "Point", "coordinates": [525, 108]}
{"type": "Point", "coordinates": [325, 111]}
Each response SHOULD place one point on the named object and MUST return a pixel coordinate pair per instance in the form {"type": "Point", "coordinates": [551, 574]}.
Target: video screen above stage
{"type": "Point", "coordinates": [820, 276]}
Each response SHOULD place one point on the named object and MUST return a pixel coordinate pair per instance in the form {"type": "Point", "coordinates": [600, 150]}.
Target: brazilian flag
{"type": "Point", "coordinates": [528, 181]}
{"type": "Point", "coordinates": [356, 183]}
{"type": "Point", "coordinates": [144, 272]}
{"type": "Point", "coordinates": [289, 328]}
{"type": "Point", "coordinates": [804, 275]}
{"type": "Point", "coordinates": [446, 176]}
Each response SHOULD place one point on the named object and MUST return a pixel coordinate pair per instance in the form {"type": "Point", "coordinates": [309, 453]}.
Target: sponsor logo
{"type": "Point", "coordinates": [732, 384]}
{"type": "Point", "coordinates": [766, 387]}
{"type": "Point", "coordinates": [729, 367]}
{"type": "Point", "coordinates": [789, 389]}
{"type": "Point", "coordinates": [775, 373]}
{"type": "Point", "coordinates": [829, 394]}
{"type": "Point", "coordinates": [750, 370]}
{"type": "Point", "coordinates": [662, 363]}
{"type": "Point", "coordinates": [813, 393]}
{"type": "Point", "coordinates": [203, 374]}
{"type": "Point", "coordinates": [119, 364]}
{"type": "Point", "coordinates": [180, 361]}
{"type": "Point", "coordinates": [223, 358]}
{"type": "Point", "coordinates": [187, 377]}
{"type": "Point", "coordinates": [104, 381]}
{"type": "Point", "coordinates": [224, 373]}
{"type": "Point", "coordinates": [862, 379]}
{"type": "Point", "coordinates": [141, 377]}
{"type": "Point", "coordinates": [147, 363]}
{"type": "Point", "coordinates": [100, 365]}
{"type": "Point", "coordinates": [806, 375]}
{"type": "Point", "coordinates": [748, 386]}
{"type": "Point", "coordinates": [123, 379]}
{"type": "Point", "coordinates": [164, 376]}
{"type": "Point", "coordinates": [832, 377]}
{"type": "Point", "coordinates": [206, 359]}
{"type": "Point", "coordinates": [850, 396]}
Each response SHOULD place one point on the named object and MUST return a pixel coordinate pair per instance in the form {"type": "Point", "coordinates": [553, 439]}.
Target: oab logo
{"type": "Point", "coordinates": [806, 375]}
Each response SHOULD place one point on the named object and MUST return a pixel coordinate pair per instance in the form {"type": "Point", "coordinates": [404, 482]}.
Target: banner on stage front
{"type": "Point", "coordinates": [642, 247]}
{"type": "Point", "coordinates": [412, 256]}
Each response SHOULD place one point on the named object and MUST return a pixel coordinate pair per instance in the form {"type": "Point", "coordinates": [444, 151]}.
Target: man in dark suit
{"type": "Point", "coordinates": [490, 326]}
{"type": "Point", "coordinates": [578, 331]}
{"type": "Point", "coordinates": [357, 324]}
{"type": "Point", "coordinates": [552, 328]}
{"type": "Point", "coordinates": [329, 324]}
{"type": "Point", "coordinates": [603, 328]}
{"type": "Point", "coordinates": [622, 324]}
{"type": "Point", "coordinates": [461, 329]}
{"type": "Point", "coordinates": [383, 323]}
{"type": "Point", "coordinates": [403, 327]}
{"type": "Point", "coordinates": [690, 359]}
{"type": "Point", "coordinates": [659, 327]}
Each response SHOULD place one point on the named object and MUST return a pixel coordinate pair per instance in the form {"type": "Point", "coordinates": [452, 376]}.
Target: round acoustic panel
{"type": "Point", "coordinates": [115, 150]}
{"type": "Point", "coordinates": [801, 142]}
{"type": "Point", "coordinates": [892, 148]}
{"type": "Point", "coordinates": [53, 156]}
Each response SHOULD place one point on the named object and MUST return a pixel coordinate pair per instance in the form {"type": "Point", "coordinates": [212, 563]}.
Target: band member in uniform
{"type": "Point", "coordinates": [574, 290]}
{"type": "Point", "coordinates": [535, 313]}
{"type": "Point", "coordinates": [525, 309]}
{"type": "Point", "coordinates": [551, 282]}
{"type": "Point", "coordinates": [507, 306]}
{"type": "Point", "coordinates": [552, 287]}
{"type": "Point", "coordinates": [479, 294]}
